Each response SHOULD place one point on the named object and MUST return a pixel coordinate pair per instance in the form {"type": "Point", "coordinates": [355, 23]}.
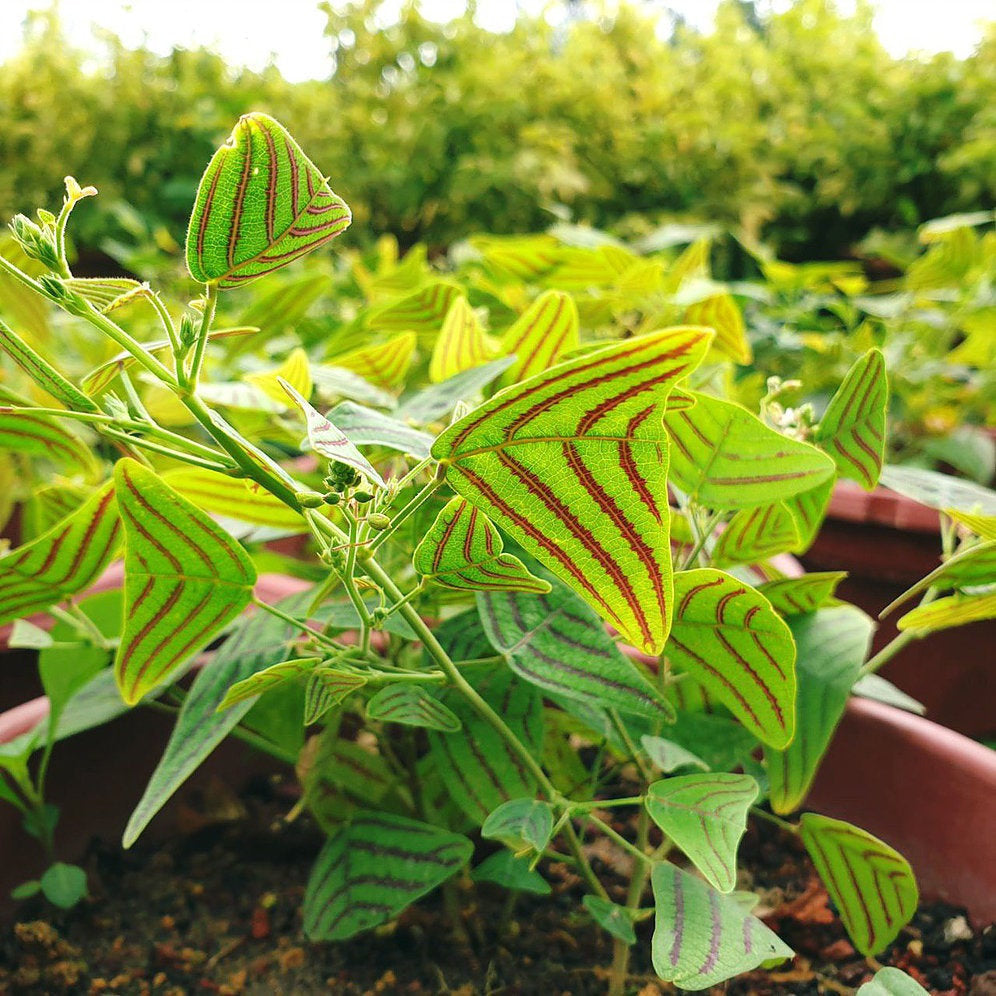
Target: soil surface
{"type": "Point", "coordinates": [217, 910]}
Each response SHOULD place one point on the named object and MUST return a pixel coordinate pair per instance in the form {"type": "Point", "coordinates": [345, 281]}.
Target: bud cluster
{"type": "Point", "coordinates": [37, 241]}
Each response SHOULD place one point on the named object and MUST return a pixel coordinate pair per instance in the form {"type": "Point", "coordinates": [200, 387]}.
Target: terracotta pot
{"type": "Point", "coordinates": [886, 542]}
{"type": "Point", "coordinates": [924, 789]}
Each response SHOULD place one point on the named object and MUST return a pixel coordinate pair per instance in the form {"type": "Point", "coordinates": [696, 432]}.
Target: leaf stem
{"type": "Point", "coordinates": [299, 624]}
{"type": "Point", "coordinates": [629, 848]}
{"type": "Point", "coordinates": [190, 379]}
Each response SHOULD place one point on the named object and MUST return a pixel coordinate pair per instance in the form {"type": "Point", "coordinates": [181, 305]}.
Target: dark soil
{"type": "Point", "coordinates": [217, 911]}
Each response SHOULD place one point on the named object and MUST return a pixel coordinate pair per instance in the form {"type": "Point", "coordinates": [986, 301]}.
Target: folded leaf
{"type": "Point", "coordinates": [754, 534]}
{"type": "Point", "coordinates": [107, 293]}
{"type": "Point", "coordinates": [185, 578]}
{"type": "Point", "coordinates": [366, 427]}
{"type": "Point", "coordinates": [411, 705]}
{"type": "Point", "coordinates": [326, 688]}
{"type": "Point", "coordinates": [702, 937]}
{"type": "Point", "coordinates": [617, 920]}
{"type": "Point", "coordinates": [705, 816]}
{"type": "Point", "coordinates": [521, 822]}
{"type": "Point", "coordinates": [729, 638]}
{"type": "Point", "coordinates": [974, 566]}
{"type": "Point", "coordinates": [384, 364]}
{"type": "Point", "coordinates": [261, 203]}
{"type": "Point", "coordinates": [63, 561]}
{"type": "Point", "coordinates": [852, 429]}
{"type": "Point", "coordinates": [373, 869]}
{"type": "Point", "coordinates": [546, 330]}
{"type": "Point", "coordinates": [462, 343]}
{"type": "Point", "coordinates": [463, 550]}
{"type": "Point", "coordinates": [726, 458]}
{"type": "Point", "coordinates": [264, 679]}
{"type": "Point", "coordinates": [572, 463]}
{"type": "Point", "coordinates": [505, 869]}
{"type": "Point", "coordinates": [955, 610]}
{"type": "Point", "coordinates": [870, 883]}
{"type": "Point", "coordinates": [794, 596]}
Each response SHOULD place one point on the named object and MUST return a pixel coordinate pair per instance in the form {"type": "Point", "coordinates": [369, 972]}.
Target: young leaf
{"type": "Point", "coordinates": [721, 313]}
{"type": "Point", "coordinates": [61, 562]}
{"type": "Point", "coordinates": [669, 756]}
{"type": "Point", "coordinates": [573, 464]}
{"type": "Point", "coordinates": [384, 364]}
{"type": "Point", "coordinates": [373, 869]}
{"type": "Point", "coordinates": [705, 816]}
{"type": "Point", "coordinates": [106, 293]}
{"type": "Point", "coordinates": [831, 647]}
{"type": "Point", "coordinates": [263, 680]}
{"type": "Point", "coordinates": [420, 312]}
{"type": "Point", "coordinates": [521, 822]}
{"type": "Point", "coordinates": [462, 343]}
{"type": "Point", "coordinates": [330, 442]}
{"type": "Point", "coordinates": [546, 330]}
{"type": "Point", "coordinates": [295, 370]}
{"type": "Point", "coordinates": [617, 920]}
{"type": "Point", "coordinates": [25, 431]}
{"type": "Point", "coordinates": [185, 578]}
{"type": "Point", "coordinates": [871, 884]}
{"type": "Point", "coordinates": [463, 550]}
{"type": "Point", "coordinates": [975, 565]}
{"type": "Point", "coordinates": [505, 869]}
{"type": "Point", "coordinates": [729, 638]}
{"type": "Point", "coordinates": [874, 686]}
{"type": "Point", "coordinates": [199, 726]}
{"type": "Point", "coordinates": [852, 429]}
{"type": "Point", "coordinates": [892, 982]}
{"type": "Point", "coordinates": [702, 937]}
{"type": "Point", "coordinates": [261, 203]}
{"type": "Point", "coordinates": [725, 457]}
{"type": "Point", "coordinates": [754, 534]}
{"type": "Point", "coordinates": [437, 400]}
{"type": "Point", "coordinates": [413, 706]}
{"type": "Point", "coordinates": [556, 642]}
{"type": "Point", "coordinates": [794, 596]}
{"type": "Point", "coordinates": [327, 687]}
{"type": "Point", "coordinates": [236, 498]}
{"type": "Point", "coordinates": [366, 427]}
{"type": "Point", "coordinates": [64, 885]}
{"type": "Point", "coordinates": [338, 382]}
{"type": "Point", "coordinates": [955, 610]}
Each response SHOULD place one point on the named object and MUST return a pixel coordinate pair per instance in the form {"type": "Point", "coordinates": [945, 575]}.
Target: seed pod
{"type": "Point", "coordinates": [363, 497]}
{"type": "Point", "coordinates": [378, 521]}
{"type": "Point", "coordinates": [310, 499]}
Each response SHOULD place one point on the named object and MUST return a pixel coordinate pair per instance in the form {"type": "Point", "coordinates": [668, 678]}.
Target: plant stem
{"type": "Point", "coordinates": [637, 883]}
{"type": "Point", "coordinates": [629, 848]}
{"type": "Point", "coordinates": [406, 512]}
{"type": "Point", "coordinates": [190, 379]}
{"type": "Point", "coordinates": [899, 641]}
{"type": "Point", "coordinates": [299, 624]}
{"type": "Point", "coordinates": [777, 820]}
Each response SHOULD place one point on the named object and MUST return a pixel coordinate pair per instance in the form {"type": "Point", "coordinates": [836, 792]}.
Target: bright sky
{"type": "Point", "coordinates": [248, 32]}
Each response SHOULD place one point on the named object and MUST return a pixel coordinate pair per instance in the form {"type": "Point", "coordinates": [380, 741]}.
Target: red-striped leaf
{"type": "Point", "coordinates": [61, 562]}
{"type": "Point", "coordinates": [326, 688]}
{"type": "Point", "coordinates": [703, 937]}
{"type": "Point", "coordinates": [185, 578]}
{"type": "Point", "coordinates": [852, 430]}
{"type": "Point", "coordinates": [411, 705]}
{"type": "Point", "coordinates": [809, 509]}
{"type": "Point", "coordinates": [462, 343]}
{"type": "Point", "coordinates": [234, 497]}
{"type": "Point", "coordinates": [25, 431]}
{"type": "Point", "coordinates": [384, 364]}
{"type": "Point", "coordinates": [107, 293]}
{"type": "Point", "coordinates": [261, 203]}
{"type": "Point", "coordinates": [727, 458]}
{"type": "Point", "coordinates": [572, 463]}
{"type": "Point", "coordinates": [973, 566]}
{"type": "Point", "coordinates": [463, 550]}
{"type": "Point", "coordinates": [954, 610]}
{"type": "Point", "coordinates": [721, 313]}
{"type": "Point", "coordinates": [266, 678]}
{"type": "Point", "coordinates": [422, 312]}
{"type": "Point", "coordinates": [870, 883]}
{"type": "Point", "coordinates": [831, 647]}
{"type": "Point", "coordinates": [754, 534]}
{"type": "Point", "coordinates": [546, 330]}
{"type": "Point", "coordinates": [729, 638]}
{"type": "Point", "coordinates": [705, 816]}
{"type": "Point", "coordinates": [794, 596]}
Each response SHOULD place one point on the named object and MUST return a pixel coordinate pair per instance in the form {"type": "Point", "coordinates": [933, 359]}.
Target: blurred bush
{"type": "Point", "coordinates": [795, 128]}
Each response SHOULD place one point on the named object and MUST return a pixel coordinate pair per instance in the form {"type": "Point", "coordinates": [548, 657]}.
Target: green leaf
{"type": "Point", "coordinates": [754, 534]}
{"type": "Point", "coordinates": [939, 490]}
{"type": "Point", "coordinates": [200, 727]}
{"type": "Point", "coordinates": [261, 203]}
{"type": "Point", "coordinates": [793, 596]}
{"type": "Point", "coordinates": [669, 756]}
{"type": "Point", "coordinates": [411, 705]}
{"type": "Point", "coordinates": [974, 566]}
{"type": "Point", "coordinates": [373, 869]}
{"type": "Point", "coordinates": [422, 311]}
{"type": "Point", "coordinates": [702, 937]}
{"type": "Point", "coordinates": [269, 677]}
{"type": "Point", "coordinates": [955, 610]}
{"type": "Point", "coordinates": [545, 331]}
{"type": "Point", "coordinates": [981, 525]}
{"type": "Point", "coordinates": [705, 816]}
{"type": "Point", "coordinates": [185, 578]}
{"type": "Point", "coordinates": [338, 382]}
{"type": "Point", "coordinates": [437, 400]}
{"type": "Point", "coordinates": [61, 562]}
{"type": "Point", "coordinates": [831, 647]}
{"type": "Point", "coordinates": [722, 743]}
{"type": "Point", "coordinates": [462, 343]}
{"type": "Point", "coordinates": [366, 427]}
{"type": "Point", "coordinates": [384, 364]}
{"type": "Point", "coordinates": [871, 884]}
{"type": "Point", "coordinates": [510, 872]}
{"type": "Point", "coordinates": [809, 509]}
{"type": "Point", "coordinates": [726, 458]}
{"type": "Point", "coordinates": [106, 293]}
{"type": "Point", "coordinates": [327, 687]}
{"type": "Point", "coordinates": [22, 430]}
{"type": "Point", "coordinates": [26, 890]}
{"type": "Point", "coordinates": [330, 442]}
{"type": "Point", "coordinates": [519, 823]}
{"type": "Point", "coordinates": [463, 550]}
{"type": "Point", "coordinates": [556, 642]}
{"type": "Point", "coordinates": [721, 313]}
{"type": "Point", "coordinates": [64, 885]}
{"type": "Point", "coordinates": [874, 686]}
{"type": "Point", "coordinates": [617, 920]}
{"type": "Point", "coordinates": [236, 498]}
{"type": "Point", "coordinates": [852, 429]}
{"type": "Point", "coordinates": [27, 635]}
{"type": "Point", "coordinates": [730, 639]}
{"type": "Point", "coordinates": [572, 463]}
{"type": "Point", "coordinates": [892, 982]}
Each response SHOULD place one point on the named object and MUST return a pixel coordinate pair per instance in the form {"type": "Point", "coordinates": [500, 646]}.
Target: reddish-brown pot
{"type": "Point", "coordinates": [886, 542]}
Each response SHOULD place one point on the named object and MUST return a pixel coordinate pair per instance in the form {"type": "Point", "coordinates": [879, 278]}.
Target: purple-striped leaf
{"type": "Point", "coordinates": [185, 579]}
{"type": "Point", "coordinates": [519, 823]}
{"type": "Point", "coordinates": [871, 884]}
{"type": "Point", "coordinates": [703, 937]}
{"type": "Point", "coordinates": [261, 203]}
{"type": "Point", "coordinates": [728, 637]}
{"type": "Point", "coordinates": [327, 687]}
{"type": "Point", "coordinates": [255, 684]}
{"type": "Point", "coordinates": [411, 705]}
{"type": "Point", "coordinates": [705, 815]}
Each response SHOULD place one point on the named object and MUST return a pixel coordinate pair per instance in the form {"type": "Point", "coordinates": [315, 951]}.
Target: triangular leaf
{"type": "Point", "coordinates": [702, 937]}
{"type": "Point", "coordinates": [267, 678]}
{"type": "Point", "coordinates": [705, 816]}
{"type": "Point", "coordinates": [669, 756]}
{"type": "Point", "coordinates": [261, 203]}
{"type": "Point", "coordinates": [794, 596]}
{"type": "Point", "coordinates": [373, 869]}
{"type": "Point", "coordinates": [546, 330]}
{"type": "Point", "coordinates": [809, 509]}
{"type": "Point", "coordinates": [754, 534]}
{"type": "Point", "coordinates": [721, 313]}
{"type": "Point", "coordinates": [236, 498]}
{"type": "Point", "coordinates": [852, 429]}
{"type": "Point", "coordinates": [411, 705]}
{"type": "Point", "coordinates": [437, 400]}
{"type": "Point", "coordinates": [463, 550]}
{"type": "Point", "coordinates": [384, 364]}
{"type": "Point", "coordinates": [573, 464]}
{"type": "Point", "coordinates": [617, 920]}
{"type": "Point", "coordinates": [421, 312]}
{"type": "Point", "coordinates": [295, 370]}
{"type": "Point", "coordinates": [731, 640]}
{"type": "Point", "coordinates": [462, 343]}
{"type": "Point", "coordinates": [185, 578]}
{"type": "Point", "coordinates": [870, 883]}
{"type": "Point", "coordinates": [510, 872]}
{"type": "Point", "coordinates": [327, 687]}
{"type": "Point", "coordinates": [892, 982]}
{"type": "Point", "coordinates": [521, 822]}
